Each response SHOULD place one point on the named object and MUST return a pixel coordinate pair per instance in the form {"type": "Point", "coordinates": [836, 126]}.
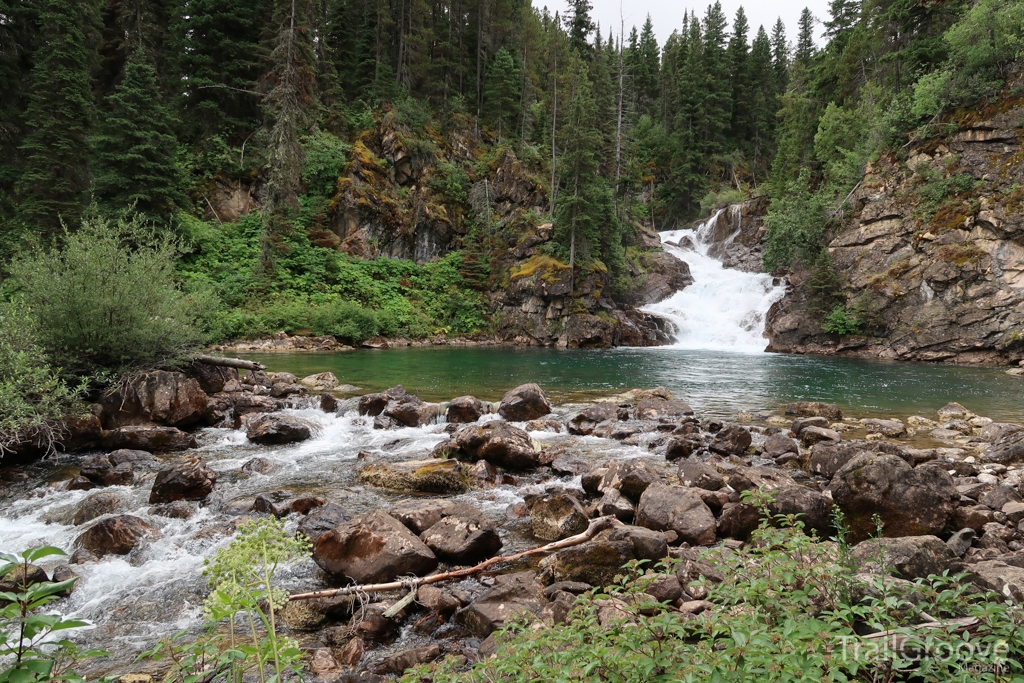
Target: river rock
{"type": "Point", "coordinates": [584, 423]}
{"type": "Point", "coordinates": [890, 428]}
{"type": "Point", "coordinates": [802, 423]}
{"type": "Point", "coordinates": [419, 514]}
{"type": "Point", "coordinates": [257, 465]}
{"type": "Point", "coordinates": [410, 411]}
{"type": "Point", "coordinates": [323, 519]}
{"type": "Point", "coordinates": [374, 404]}
{"type": "Point", "coordinates": [99, 470]}
{"type": "Point", "coordinates": [679, 447]}
{"type": "Point", "coordinates": [1000, 577]}
{"type": "Point", "coordinates": [733, 440]}
{"type": "Point", "coordinates": [647, 544]}
{"type": "Point", "coordinates": [188, 479]}
{"type": "Point", "coordinates": [212, 378]}
{"type": "Point", "coordinates": [247, 404]}
{"type": "Point", "coordinates": [499, 443]}
{"type": "Point", "coordinates": [423, 476]}
{"type": "Point", "coordinates": [569, 465]}
{"type": "Point", "coordinates": [322, 381]}
{"type": "Point", "coordinates": [1007, 450]}
{"type": "Point", "coordinates": [407, 659]}
{"type": "Point", "coordinates": [596, 562]}
{"type": "Point", "coordinates": [954, 411]}
{"type": "Point", "coordinates": [678, 509]}
{"type": "Point", "coordinates": [148, 438]}
{"type": "Point", "coordinates": [556, 516]}
{"type": "Point", "coordinates": [655, 409]}
{"type": "Point", "coordinates": [115, 535]}
{"type": "Point", "coordinates": [700, 475]}
{"type": "Point", "coordinates": [512, 595]}
{"type": "Point", "coordinates": [828, 457]}
{"type": "Point", "coordinates": [914, 557]}
{"type": "Point", "coordinates": [811, 507]}
{"type": "Point", "coordinates": [635, 476]}
{"type": "Point", "coordinates": [812, 435]}
{"type": "Point", "coordinates": [524, 403]}
{"type": "Point", "coordinates": [141, 461]}
{"type": "Point", "coordinates": [372, 548]}
{"type": "Point", "coordinates": [815, 409]}
{"type": "Point", "coordinates": [462, 540]}
{"type": "Point", "coordinates": [96, 505]}
{"type": "Point", "coordinates": [276, 429]}
{"type": "Point", "coordinates": [21, 576]}
{"type": "Point", "coordinates": [155, 398]}
{"type": "Point", "coordinates": [465, 410]}
{"type": "Point", "coordinates": [910, 501]}
{"type": "Point", "coordinates": [998, 497]}
{"type": "Point", "coordinates": [779, 444]}
{"type": "Point", "coordinates": [615, 504]}
{"type": "Point", "coordinates": [738, 520]}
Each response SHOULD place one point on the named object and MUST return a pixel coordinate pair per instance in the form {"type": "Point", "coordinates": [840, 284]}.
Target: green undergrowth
{"type": "Point", "coordinates": [787, 608]}
{"type": "Point", "coordinates": [317, 290]}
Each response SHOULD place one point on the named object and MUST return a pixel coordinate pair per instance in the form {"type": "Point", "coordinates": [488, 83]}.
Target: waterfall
{"type": "Point", "coordinates": [724, 309]}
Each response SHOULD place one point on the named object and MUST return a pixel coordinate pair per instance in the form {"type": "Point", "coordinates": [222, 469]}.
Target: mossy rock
{"type": "Point", "coordinates": [423, 476]}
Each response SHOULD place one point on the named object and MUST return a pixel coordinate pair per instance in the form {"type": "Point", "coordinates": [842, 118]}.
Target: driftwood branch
{"type": "Point", "coordinates": [231, 363]}
{"type": "Point", "coordinates": [596, 526]}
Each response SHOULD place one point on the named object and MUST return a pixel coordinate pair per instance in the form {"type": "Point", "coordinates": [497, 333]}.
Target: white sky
{"type": "Point", "coordinates": [667, 15]}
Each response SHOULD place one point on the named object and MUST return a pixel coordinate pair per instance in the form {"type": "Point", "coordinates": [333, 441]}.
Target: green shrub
{"type": "Point", "coordinates": [326, 156]}
{"type": "Point", "coordinates": [843, 320]}
{"type": "Point", "coordinates": [105, 299]}
{"type": "Point", "coordinates": [796, 222]}
{"type": "Point", "coordinates": [33, 396]}
{"type": "Point", "coordinates": [450, 180]}
{"type": "Point", "coordinates": [723, 197]}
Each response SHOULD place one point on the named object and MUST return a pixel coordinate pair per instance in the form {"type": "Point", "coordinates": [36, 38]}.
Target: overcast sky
{"type": "Point", "coordinates": [667, 15]}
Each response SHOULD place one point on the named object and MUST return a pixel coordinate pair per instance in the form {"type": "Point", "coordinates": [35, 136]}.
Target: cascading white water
{"type": "Point", "coordinates": [724, 309]}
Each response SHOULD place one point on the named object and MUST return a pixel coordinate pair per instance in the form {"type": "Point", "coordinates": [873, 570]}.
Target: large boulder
{"type": "Point", "coordinates": [815, 409]}
{"type": "Point", "coordinates": [890, 428]}
{"type": "Point", "coordinates": [512, 595]}
{"type": "Point", "coordinates": [159, 397]}
{"type": "Point", "coordinates": [556, 516]}
{"type": "Point", "coordinates": [914, 557]}
{"type": "Point", "coordinates": [828, 457]}
{"type": "Point", "coordinates": [96, 505]}
{"type": "Point", "coordinates": [419, 514]}
{"type": "Point", "coordinates": [153, 439]}
{"type": "Point", "coordinates": [700, 475]}
{"type": "Point", "coordinates": [276, 429]}
{"type": "Point", "coordinates": [372, 548]}
{"type": "Point", "coordinates": [678, 509]}
{"type": "Point", "coordinates": [1008, 449]}
{"type": "Point", "coordinates": [212, 378]}
{"type": "Point", "coordinates": [322, 381]}
{"type": "Point", "coordinates": [410, 411]}
{"type": "Point", "coordinates": [462, 540]}
{"type": "Point", "coordinates": [998, 576]}
{"type": "Point", "coordinates": [811, 507]}
{"type": "Point", "coordinates": [584, 423]}
{"type": "Point", "coordinates": [812, 435]}
{"type": "Point", "coordinates": [595, 562]}
{"type": "Point", "coordinates": [779, 444]}
{"type": "Point", "coordinates": [115, 535]}
{"type": "Point", "coordinates": [101, 471]}
{"type": "Point", "coordinates": [423, 476]}
{"type": "Point", "coordinates": [374, 404]}
{"type": "Point", "coordinates": [524, 403]}
{"type": "Point", "coordinates": [733, 440]}
{"type": "Point", "coordinates": [323, 519]}
{"type": "Point", "coordinates": [630, 477]}
{"type": "Point", "coordinates": [465, 410]}
{"type": "Point", "coordinates": [188, 479]}
{"type": "Point", "coordinates": [909, 501]}
{"type": "Point", "coordinates": [499, 443]}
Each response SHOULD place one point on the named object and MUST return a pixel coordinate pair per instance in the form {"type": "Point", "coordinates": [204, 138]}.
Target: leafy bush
{"type": "Point", "coordinates": [721, 198]}
{"type": "Point", "coordinates": [450, 180]}
{"type": "Point", "coordinates": [788, 609]}
{"type": "Point", "coordinates": [326, 156]}
{"type": "Point", "coordinates": [106, 299]}
{"type": "Point", "coordinates": [796, 223]}
{"type": "Point", "coordinates": [27, 636]}
{"type": "Point", "coordinates": [843, 320]}
{"type": "Point", "coordinates": [33, 396]}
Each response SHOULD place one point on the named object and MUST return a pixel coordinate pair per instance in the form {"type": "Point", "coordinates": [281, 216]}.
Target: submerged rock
{"type": "Point", "coordinates": [424, 476]}
{"type": "Point", "coordinates": [372, 548]}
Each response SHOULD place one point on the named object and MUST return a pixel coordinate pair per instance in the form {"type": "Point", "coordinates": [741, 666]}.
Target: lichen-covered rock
{"type": "Point", "coordinates": [148, 438]}
{"type": "Point", "coordinates": [322, 381]}
{"type": "Point", "coordinates": [890, 428]}
{"type": "Point", "coordinates": [814, 409]}
{"type": "Point", "coordinates": [679, 509]}
{"type": "Point", "coordinates": [524, 403]}
{"type": "Point", "coordinates": [655, 409]}
{"type": "Point", "coordinates": [595, 562]}
{"type": "Point", "coordinates": [372, 548]}
{"type": "Point", "coordinates": [423, 476]}
{"type": "Point", "coordinates": [159, 397]}
{"type": "Point", "coordinates": [188, 479]}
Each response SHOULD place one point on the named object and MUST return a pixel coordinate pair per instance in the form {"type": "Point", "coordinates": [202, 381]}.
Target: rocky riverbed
{"type": "Point", "coordinates": [387, 486]}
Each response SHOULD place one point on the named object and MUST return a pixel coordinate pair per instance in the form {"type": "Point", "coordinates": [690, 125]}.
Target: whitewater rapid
{"type": "Point", "coordinates": [724, 309]}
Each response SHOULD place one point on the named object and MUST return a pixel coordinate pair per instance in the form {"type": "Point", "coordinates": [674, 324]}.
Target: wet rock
{"type": "Point", "coordinates": [499, 443]}
{"type": "Point", "coordinates": [998, 576]}
{"type": "Point", "coordinates": [779, 444]}
{"type": "Point", "coordinates": [148, 438]}
{"type": "Point", "coordinates": [678, 509]}
{"type": "Point", "coordinates": [115, 535]}
{"type": "Point", "coordinates": [398, 663]}
{"type": "Point", "coordinates": [424, 476]}
{"type": "Point", "coordinates": [141, 461]}
{"type": "Point", "coordinates": [732, 440]}
{"type": "Point", "coordinates": [802, 423]}
{"type": "Point", "coordinates": [441, 602]}
{"type": "Point", "coordinates": [82, 556]}
{"type": "Point", "coordinates": [419, 514]}
{"type": "Point", "coordinates": [595, 562]}
{"type": "Point", "coordinates": [525, 402]}
{"type": "Point", "coordinates": [212, 378]}
{"type": "Point", "coordinates": [257, 466]}
{"type": "Point", "coordinates": [328, 403]}
{"type": "Point", "coordinates": [960, 542]}
{"type": "Point", "coordinates": [815, 409]}
{"type": "Point", "coordinates": [700, 475]}
{"type": "Point", "coordinates": [910, 501]}
{"type": "Point", "coordinates": [679, 447]}
{"type": "Point", "coordinates": [890, 428]}
{"type": "Point", "coordinates": [21, 577]}
{"type": "Point", "coordinates": [322, 520]}
{"type": "Point", "coordinates": [323, 664]}
{"type": "Point", "coordinates": [155, 398]}
{"type": "Point", "coordinates": [462, 540]}
{"type": "Point", "coordinates": [545, 425]}
{"type": "Point", "coordinates": [483, 473]}
{"type": "Point", "coordinates": [1007, 450]}
{"type": "Point", "coordinates": [179, 509]}
{"type": "Point", "coordinates": [410, 411]}
{"type": "Point", "coordinates": [276, 429]}
{"type": "Point", "coordinates": [372, 548]}
{"type": "Point", "coordinates": [465, 410]}
{"type": "Point", "coordinates": [615, 504]}
{"type": "Point", "coordinates": [812, 435]}
{"type": "Point", "coordinates": [374, 404]}
{"type": "Point", "coordinates": [513, 594]}
{"type": "Point", "coordinates": [352, 652]}
{"type": "Point", "coordinates": [635, 476]}
{"type": "Point", "coordinates": [646, 543]}
{"type": "Point", "coordinates": [569, 466]}
{"type": "Point", "coordinates": [371, 624]}
{"type": "Point", "coordinates": [655, 409]}
{"type": "Point", "coordinates": [277, 503]}
{"type": "Point", "coordinates": [80, 483]}
{"type": "Point", "coordinates": [96, 505]}
{"type": "Point", "coordinates": [587, 420]}
{"type": "Point", "coordinates": [247, 404]}
{"type": "Point", "coordinates": [557, 516]}
{"type": "Point", "coordinates": [954, 411]}
{"type": "Point", "coordinates": [189, 479]}
{"type": "Point", "coordinates": [914, 557]}
{"type": "Point", "coordinates": [99, 470]}
{"type": "Point", "coordinates": [322, 381]}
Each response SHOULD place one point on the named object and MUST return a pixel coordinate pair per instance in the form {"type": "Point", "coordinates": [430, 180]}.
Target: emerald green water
{"type": "Point", "coordinates": [714, 383]}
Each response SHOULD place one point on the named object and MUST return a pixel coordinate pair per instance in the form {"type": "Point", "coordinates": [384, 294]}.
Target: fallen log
{"type": "Point", "coordinates": [410, 584]}
{"type": "Point", "coordinates": [231, 362]}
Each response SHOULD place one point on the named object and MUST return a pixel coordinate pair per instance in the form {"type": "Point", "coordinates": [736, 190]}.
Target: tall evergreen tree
{"type": "Point", "coordinates": [55, 180]}
{"type": "Point", "coordinates": [780, 55]}
{"type": "Point", "coordinates": [646, 68]}
{"type": "Point", "coordinates": [738, 55]}
{"type": "Point", "coordinates": [136, 148]}
{"type": "Point", "coordinates": [502, 92]}
{"type": "Point", "coordinates": [805, 37]}
{"type": "Point", "coordinates": [763, 100]}
{"type": "Point", "coordinates": [580, 26]}
{"type": "Point", "coordinates": [717, 89]}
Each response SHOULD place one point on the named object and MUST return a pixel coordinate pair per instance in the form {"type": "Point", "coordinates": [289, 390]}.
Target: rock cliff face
{"type": "Point", "coordinates": [932, 254]}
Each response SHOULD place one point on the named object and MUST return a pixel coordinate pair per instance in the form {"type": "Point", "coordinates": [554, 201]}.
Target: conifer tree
{"type": "Point", "coordinates": [780, 56]}
{"type": "Point", "coordinates": [136, 148]}
{"type": "Point", "coordinates": [738, 54]}
{"type": "Point", "coordinates": [805, 37]}
{"type": "Point", "coordinates": [717, 90]}
{"type": "Point", "coordinates": [54, 183]}
{"type": "Point", "coordinates": [763, 99]}
{"type": "Point", "coordinates": [502, 92]}
{"type": "Point", "coordinates": [580, 26]}
{"type": "Point", "coordinates": [646, 67]}
{"type": "Point", "coordinates": [18, 35]}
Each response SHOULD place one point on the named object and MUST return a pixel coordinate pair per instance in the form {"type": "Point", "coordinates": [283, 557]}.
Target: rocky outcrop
{"type": "Point", "coordinates": [422, 476]}
{"type": "Point", "coordinates": [159, 397]}
{"type": "Point", "coordinates": [930, 257]}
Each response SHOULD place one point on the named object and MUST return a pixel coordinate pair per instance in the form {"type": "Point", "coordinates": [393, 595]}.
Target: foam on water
{"type": "Point", "coordinates": [724, 309]}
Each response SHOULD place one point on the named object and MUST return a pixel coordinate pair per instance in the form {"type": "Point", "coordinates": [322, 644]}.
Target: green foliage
{"type": "Point", "coordinates": [241, 576]}
{"type": "Point", "coordinates": [934, 190]}
{"type": "Point", "coordinates": [326, 156]}
{"type": "Point", "coordinates": [502, 94]}
{"type": "Point", "coordinates": [785, 611]}
{"type": "Point", "coordinates": [31, 647]}
{"type": "Point", "coordinates": [450, 180]}
{"type": "Point", "coordinates": [796, 224]}
{"type": "Point", "coordinates": [105, 298]}
{"type": "Point", "coordinates": [843, 320]}
{"type": "Point", "coordinates": [33, 396]}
